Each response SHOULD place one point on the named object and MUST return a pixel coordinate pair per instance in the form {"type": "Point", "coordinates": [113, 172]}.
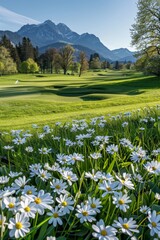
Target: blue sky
{"type": "Point", "coordinates": [110, 20]}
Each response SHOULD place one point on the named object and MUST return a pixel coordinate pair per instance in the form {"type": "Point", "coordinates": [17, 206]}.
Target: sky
{"type": "Point", "coordinates": [110, 20]}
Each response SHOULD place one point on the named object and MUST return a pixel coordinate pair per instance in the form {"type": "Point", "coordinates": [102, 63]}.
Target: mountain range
{"type": "Point", "coordinates": [48, 35]}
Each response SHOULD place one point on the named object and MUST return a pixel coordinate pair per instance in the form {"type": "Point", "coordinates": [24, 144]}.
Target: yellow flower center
{"type": "Point", "coordinates": [85, 213]}
{"type": "Point", "coordinates": [19, 225]}
{"type": "Point", "coordinates": [57, 187]}
{"type": "Point", "coordinates": [55, 215]}
{"type": "Point", "coordinates": [42, 175]}
{"type": "Point", "coordinates": [64, 204]}
{"type": "Point", "coordinates": [69, 177]}
{"type": "Point", "coordinates": [38, 200]}
{"type": "Point", "coordinates": [154, 168]}
{"type": "Point", "coordinates": [0, 222]}
{"type": "Point", "coordinates": [108, 188]}
{"type": "Point", "coordinates": [93, 205]}
{"type": "Point", "coordinates": [11, 205]}
{"type": "Point", "coordinates": [122, 181]}
{"type": "Point", "coordinates": [125, 225]}
{"type": "Point", "coordinates": [121, 201]}
{"type": "Point", "coordinates": [104, 233]}
{"type": "Point", "coordinates": [29, 192]}
{"type": "Point", "coordinates": [154, 224]}
{"type": "Point", "coordinates": [27, 209]}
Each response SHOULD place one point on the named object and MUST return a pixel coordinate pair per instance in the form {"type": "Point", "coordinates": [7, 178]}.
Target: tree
{"type": "Point", "coordinates": [153, 65]}
{"type": "Point", "coordinates": [26, 50]}
{"type": "Point", "coordinates": [1, 67]}
{"type": "Point", "coordinates": [66, 57]}
{"type": "Point", "coordinates": [57, 63]}
{"type": "Point", "coordinates": [29, 66]}
{"type": "Point", "coordinates": [47, 60]}
{"type": "Point", "coordinates": [7, 64]}
{"type": "Point", "coordinates": [5, 42]}
{"type": "Point", "coordinates": [83, 63]}
{"type": "Point", "coordinates": [94, 62]}
{"type": "Point", "coordinates": [145, 31]}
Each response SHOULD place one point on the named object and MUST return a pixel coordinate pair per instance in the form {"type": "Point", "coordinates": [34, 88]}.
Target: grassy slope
{"type": "Point", "coordinates": [49, 98]}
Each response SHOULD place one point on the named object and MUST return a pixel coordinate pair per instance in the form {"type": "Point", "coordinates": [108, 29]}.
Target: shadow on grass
{"type": "Point", "coordinates": [88, 92]}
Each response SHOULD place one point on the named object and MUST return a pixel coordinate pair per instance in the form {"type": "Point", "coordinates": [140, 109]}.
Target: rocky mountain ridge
{"type": "Point", "coordinates": [48, 33]}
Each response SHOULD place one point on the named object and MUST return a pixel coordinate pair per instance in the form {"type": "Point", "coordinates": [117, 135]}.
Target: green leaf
{"type": "Point", "coordinates": [111, 165]}
{"type": "Point", "coordinates": [125, 164]}
{"type": "Point", "coordinates": [42, 231]}
{"type": "Point", "coordinates": [61, 238]}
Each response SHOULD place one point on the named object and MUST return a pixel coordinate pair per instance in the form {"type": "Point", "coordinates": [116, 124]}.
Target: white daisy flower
{"type": "Point", "coordinates": [55, 214]}
{"type": "Point", "coordinates": [4, 179]}
{"type": "Point", "coordinates": [69, 176]}
{"type": "Point", "coordinates": [19, 141]}
{"type": "Point", "coordinates": [19, 226]}
{"type": "Point", "coordinates": [14, 174]}
{"type": "Point", "coordinates": [121, 201]}
{"type": "Point", "coordinates": [27, 208]}
{"type": "Point", "coordinates": [44, 150]}
{"type": "Point", "coordinates": [94, 203]}
{"type": "Point", "coordinates": [51, 238]}
{"type": "Point", "coordinates": [103, 232]}
{"type": "Point", "coordinates": [34, 168]}
{"type": "Point", "coordinates": [8, 147]}
{"type": "Point", "coordinates": [10, 203]}
{"type": "Point", "coordinates": [63, 159]}
{"type": "Point", "coordinates": [5, 193]}
{"type": "Point", "coordinates": [153, 167]}
{"type": "Point", "coordinates": [29, 149]}
{"type": "Point", "coordinates": [29, 190]}
{"type": "Point", "coordinates": [127, 226]}
{"type": "Point", "coordinates": [44, 174]}
{"type": "Point", "coordinates": [85, 213]}
{"type": "Point", "coordinates": [125, 181]}
{"type": "Point", "coordinates": [145, 209]}
{"type": "Point", "coordinates": [154, 224]}
{"type": "Point", "coordinates": [111, 149]}
{"type": "Point", "coordinates": [42, 201]}
{"type": "Point", "coordinates": [157, 196]}
{"type": "Point", "coordinates": [65, 203]}
{"type": "Point", "coordinates": [95, 155]}
{"type": "Point", "coordinates": [109, 187]}
{"type": "Point", "coordinates": [19, 183]}
{"type": "Point", "coordinates": [58, 186]}
{"type": "Point", "coordinates": [76, 157]}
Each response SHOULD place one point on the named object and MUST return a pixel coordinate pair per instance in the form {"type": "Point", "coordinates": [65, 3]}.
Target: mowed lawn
{"type": "Point", "coordinates": [41, 98]}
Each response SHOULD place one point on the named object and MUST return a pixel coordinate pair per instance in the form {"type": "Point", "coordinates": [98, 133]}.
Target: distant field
{"type": "Point", "coordinates": [50, 98]}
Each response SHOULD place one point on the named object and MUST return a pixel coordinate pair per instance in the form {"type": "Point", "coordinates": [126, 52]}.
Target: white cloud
{"type": "Point", "coordinates": [12, 21]}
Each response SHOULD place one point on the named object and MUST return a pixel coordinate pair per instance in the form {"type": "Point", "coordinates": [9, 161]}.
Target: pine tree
{"type": "Point", "coordinates": [5, 42]}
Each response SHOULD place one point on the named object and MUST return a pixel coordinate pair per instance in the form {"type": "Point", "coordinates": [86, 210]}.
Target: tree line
{"type": "Point", "coordinates": [25, 58]}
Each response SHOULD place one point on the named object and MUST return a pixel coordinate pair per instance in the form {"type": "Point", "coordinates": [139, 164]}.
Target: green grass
{"type": "Point", "coordinates": [119, 183]}
{"type": "Point", "coordinates": [40, 98]}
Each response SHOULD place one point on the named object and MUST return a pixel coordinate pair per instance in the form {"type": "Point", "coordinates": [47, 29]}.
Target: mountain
{"type": "Point", "coordinates": [123, 54]}
{"type": "Point", "coordinates": [14, 37]}
{"type": "Point", "coordinates": [48, 33]}
{"type": "Point", "coordinates": [78, 49]}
